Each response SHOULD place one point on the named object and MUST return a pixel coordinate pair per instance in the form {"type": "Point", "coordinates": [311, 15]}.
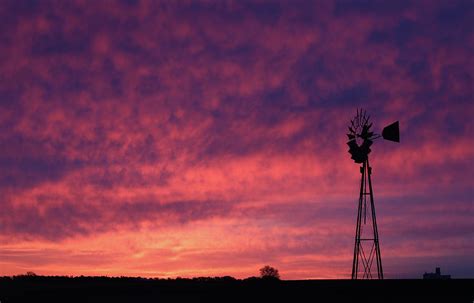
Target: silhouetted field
{"type": "Point", "coordinates": [227, 289]}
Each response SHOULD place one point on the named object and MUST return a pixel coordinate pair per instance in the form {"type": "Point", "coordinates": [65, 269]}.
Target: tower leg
{"type": "Point", "coordinates": [355, 262]}
{"type": "Point", "coordinates": [378, 256]}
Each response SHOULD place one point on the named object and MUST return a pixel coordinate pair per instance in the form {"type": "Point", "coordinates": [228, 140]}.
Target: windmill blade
{"type": "Point", "coordinates": [364, 131]}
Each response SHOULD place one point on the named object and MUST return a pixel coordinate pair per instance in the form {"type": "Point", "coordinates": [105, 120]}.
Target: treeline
{"type": "Point", "coordinates": [30, 277]}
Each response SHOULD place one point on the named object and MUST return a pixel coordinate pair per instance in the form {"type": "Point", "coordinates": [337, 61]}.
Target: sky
{"type": "Point", "coordinates": [208, 138]}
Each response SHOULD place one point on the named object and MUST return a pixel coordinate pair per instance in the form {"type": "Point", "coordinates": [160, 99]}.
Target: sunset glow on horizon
{"type": "Point", "coordinates": [208, 138]}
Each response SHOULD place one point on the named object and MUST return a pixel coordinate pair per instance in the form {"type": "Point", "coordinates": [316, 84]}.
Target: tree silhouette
{"type": "Point", "coordinates": [268, 272]}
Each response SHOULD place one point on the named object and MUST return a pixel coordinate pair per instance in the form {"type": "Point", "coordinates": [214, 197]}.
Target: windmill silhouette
{"type": "Point", "coordinates": [366, 246]}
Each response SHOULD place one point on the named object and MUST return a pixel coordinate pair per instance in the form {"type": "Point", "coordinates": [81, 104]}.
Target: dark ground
{"type": "Point", "coordinates": [102, 289]}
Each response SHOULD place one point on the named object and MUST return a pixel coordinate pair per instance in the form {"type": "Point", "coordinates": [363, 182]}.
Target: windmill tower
{"type": "Point", "coordinates": [366, 246]}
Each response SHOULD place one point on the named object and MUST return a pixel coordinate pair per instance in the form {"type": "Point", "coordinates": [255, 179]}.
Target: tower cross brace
{"type": "Point", "coordinates": [369, 239]}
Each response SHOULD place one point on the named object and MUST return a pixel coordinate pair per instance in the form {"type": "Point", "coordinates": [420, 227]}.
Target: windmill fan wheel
{"type": "Point", "coordinates": [360, 137]}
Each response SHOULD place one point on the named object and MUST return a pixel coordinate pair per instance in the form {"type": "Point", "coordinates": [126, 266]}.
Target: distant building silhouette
{"type": "Point", "coordinates": [436, 275]}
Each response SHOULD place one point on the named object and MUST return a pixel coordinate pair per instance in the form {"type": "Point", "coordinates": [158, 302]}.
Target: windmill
{"type": "Point", "coordinates": [366, 247]}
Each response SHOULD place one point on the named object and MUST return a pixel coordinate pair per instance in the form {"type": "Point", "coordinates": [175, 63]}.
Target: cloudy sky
{"type": "Point", "coordinates": [188, 138]}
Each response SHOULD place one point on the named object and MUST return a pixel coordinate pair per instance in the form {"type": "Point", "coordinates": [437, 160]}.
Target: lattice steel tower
{"type": "Point", "coordinates": [366, 246]}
